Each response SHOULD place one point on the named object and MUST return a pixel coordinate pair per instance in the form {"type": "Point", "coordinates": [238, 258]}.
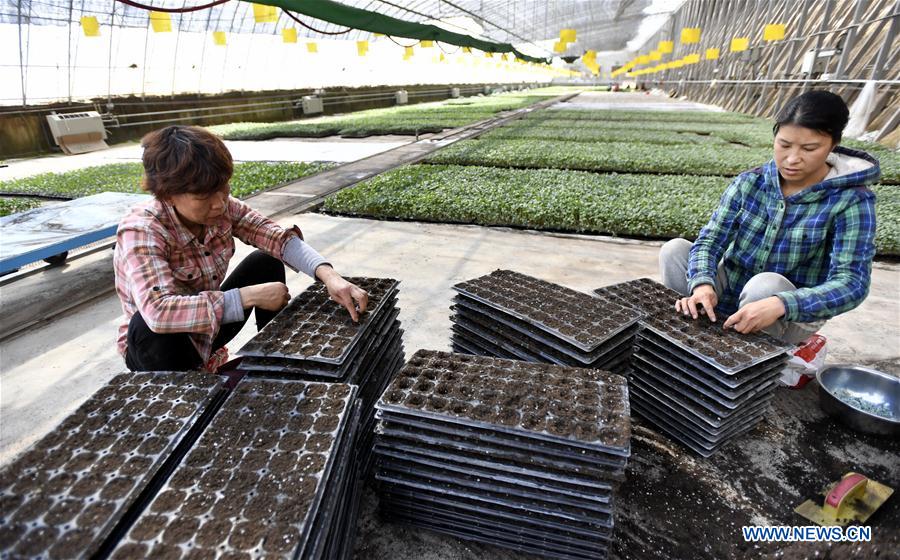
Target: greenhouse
{"type": "Point", "coordinates": [450, 279]}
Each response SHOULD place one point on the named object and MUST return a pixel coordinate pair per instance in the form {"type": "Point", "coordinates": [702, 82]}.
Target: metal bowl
{"type": "Point", "coordinates": [870, 387]}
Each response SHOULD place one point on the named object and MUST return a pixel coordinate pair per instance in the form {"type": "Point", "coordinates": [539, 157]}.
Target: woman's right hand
{"type": "Point", "coordinates": [704, 296]}
{"type": "Point", "coordinates": [270, 296]}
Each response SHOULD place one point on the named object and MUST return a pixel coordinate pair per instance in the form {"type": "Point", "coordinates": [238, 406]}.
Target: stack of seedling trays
{"type": "Point", "coordinates": [522, 455]}
{"type": "Point", "coordinates": [314, 339]}
{"type": "Point", "coordinates": [268, 478]}
{"type": "Point", "coordinates": [506, 314]}
{"type": "Point", "coordinates": [71, 493]}
{"type": "Point", "coordinates": [697, 382]}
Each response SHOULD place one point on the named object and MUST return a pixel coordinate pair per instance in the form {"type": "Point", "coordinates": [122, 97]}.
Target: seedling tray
{"type": "Point", "coordinates": [480, 508]}
{"type": "Point", "coordinates": [255, 480]}
{"type": "Point", "coordinates": [66, 496]}
{"type": "Point", "coordinates": [659, 401]}
{"type": "Point", "coordinates": [572, 316]}
{"type": "Point", "coordinates": [543, 485]}
{"type": "Point", "coordinates": [312, 370]}
{"type": "Point", "coordinates": [680, 435]}
{"type": "Point", "coordinates": [700, 385]}
{"type": "Point", "coordinates": [515, 342]}
{"type": "Point", "coordinates": [472, 529]}
{"type": "Point", "coordinates": [490, 486]}
{"type": "Point", "coordinates": [503, 456]}
{"type": "Point", "coordinates": [463, 389]}
{"type": "Point", "coordinates": [598, 485]}
{"type": "Point", "coordinates": [328, 522]}
{"type": "Point", "coordinates": [671, 385]}
{"type": "Point", "coordinates": [476, 436]}
{"type": "Point", "coordinates": [314, 328]}
{"type": "Point", "coordinates": [729, 351]}
{"type": "Point", "coordinates": [729, 385]}
{"type": "Point", "coordinates": [473, 309]}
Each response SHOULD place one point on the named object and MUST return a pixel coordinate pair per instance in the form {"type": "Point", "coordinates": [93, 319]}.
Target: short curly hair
{"type": "Point", "coordinates": [185, 159]}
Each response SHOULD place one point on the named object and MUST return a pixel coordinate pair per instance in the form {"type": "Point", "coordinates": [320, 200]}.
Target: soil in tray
{"type": "Point", "coordinates": [586, 320]}
{"type": "Point", "coordinates": [508, 393]}
{"type": "Point", "coordinates": [729, 349]}
{"type": "Point", "coordinates": [277, 456]}
{"type": "Point", "coordinates": [73, 485]}
{"type": "Point", "coordinates": [314, 327]}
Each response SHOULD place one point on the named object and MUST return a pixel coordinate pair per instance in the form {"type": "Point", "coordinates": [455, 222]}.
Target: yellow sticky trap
{"type": "Point", "coordinates": [692, 58]}
{"type": "Point", "coordinates": [378, 34]}
{"type": "Point", "coordinates": [426, 44]}
{"type": "Point", "coordinates": [655, 56]}
{"type": "Point", "coordinates": [264, 14]}
{"type": "Point", "coordinates": [774, 32]}
{"type": "Point", "coordinates": [488, 55]}
{"type": "Point", "coordinates": [160, 22]}
{"type": "Point", "coordinates": [568, 35]}
{"type": "Point", "coordinates": [676, 64]}
{"type": "Point", "coordinates": [503, 57]}
{"type": "Point", "coordinates": [312, 47]}
{"type": "Point", "coordinates": [362, 47]}
{"type": "Point", "coordinates": [289, 35]}
{"type": "Point", "coordinates": [666, 47]}
{"type": "Point", "coordinates": [690, 35]}
{"type": "Point", "coordinates": [559, 47]}
{"type": "Point", "coordinates": [643, 59]}
{"type": "Point", "coordinates": [91, 26]}
{"type": "Point", "coordinates": [441, 58]}
{"type": "Point", "coordinates": [740, 44]}
{"type": "Point", "coordinates": [408, 51]}
{"type": "Point", "coordinates": [467, 50]}
{"type": "Point", "coordinates": [219, 38]}
{"type": "Point", "coordinates": [712, 54]}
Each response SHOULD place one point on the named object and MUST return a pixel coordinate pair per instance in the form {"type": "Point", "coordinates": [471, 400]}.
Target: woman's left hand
{"type": "Point", "coordinates": [352, 297]}
{"type": "Point", "coordinates": [756, 316]}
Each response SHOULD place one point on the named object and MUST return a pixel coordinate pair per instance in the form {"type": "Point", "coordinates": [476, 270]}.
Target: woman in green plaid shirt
{"type": "Point", "coordinates": [791, 243]}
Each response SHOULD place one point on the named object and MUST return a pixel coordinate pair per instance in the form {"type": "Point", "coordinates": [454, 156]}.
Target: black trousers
{"type": "Point", "coordinates": [150, 351]}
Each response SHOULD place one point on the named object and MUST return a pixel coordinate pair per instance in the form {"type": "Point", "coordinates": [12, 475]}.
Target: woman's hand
{"type": "Point", "coordinates": [703, 296]}
{"type": "Point", "coordinates": [756, 316]}
{"type": "Point", "coordinates": [270, 296]}
{"type": "Point", "coordinates": [352, 297]}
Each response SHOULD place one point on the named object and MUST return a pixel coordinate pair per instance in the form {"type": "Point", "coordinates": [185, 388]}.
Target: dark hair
{"type": "Point", "coordinates": [821, 111]}
{"type": "Point", "coordinates": [185, 159]}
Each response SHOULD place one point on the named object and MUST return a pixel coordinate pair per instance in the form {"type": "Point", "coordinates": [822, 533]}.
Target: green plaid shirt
{"type": "Point", "coordinates": [822, 239]}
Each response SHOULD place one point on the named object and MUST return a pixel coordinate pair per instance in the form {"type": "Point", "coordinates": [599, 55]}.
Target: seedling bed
{"type": "Point", "coordinates": [544, 486]}
{"type": "Point", "coordinates": [473, 309]}
{"type": "Point", "coordinates": [728, 351]}
{"type": "Point", "coordinates": [664, 406]}
{"type": "Point", "coordinates": [431, 428]}
{"type": "Point", "coordinates": [546, 543]}
{"type": "Point", "coordinates": [729, 385]}
{"type": "Point", "coordinates": [391, 436]}
{"type": "Point", "coordinates": [573, 316]}
{"type": "Point", "coordinates": [460, 459]}
{"type": "Point", "coordinates": [543, 346]}
{"type": "Point", "coordinates": [540, 522]}
{"type": "Point", "coordinates": [64, 497]}
{"type": "Point", "coordinates": [764, 385]}
{"type": "Point", "coordinates": [345, 372]}
{"type": "Point", "coordinates": [514, 397]}
{"type": "Point", "coordinates": [314, 328]}
{"type": "Point", "coordinates": [490, 486]}
{"type": "Point", "coordinates": [255, 480]}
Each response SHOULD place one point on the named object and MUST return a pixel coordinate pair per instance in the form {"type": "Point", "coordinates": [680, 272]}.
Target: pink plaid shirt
{"type": "Point", "coordinates": [172, 278]}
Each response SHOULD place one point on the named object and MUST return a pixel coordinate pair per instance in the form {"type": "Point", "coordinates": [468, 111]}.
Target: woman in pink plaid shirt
{"type": "Point", "coordinates": [173, 251]}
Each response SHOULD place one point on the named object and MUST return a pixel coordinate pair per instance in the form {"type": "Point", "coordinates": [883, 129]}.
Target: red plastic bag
{"type": "Point", "coordinates": [806, 362]}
